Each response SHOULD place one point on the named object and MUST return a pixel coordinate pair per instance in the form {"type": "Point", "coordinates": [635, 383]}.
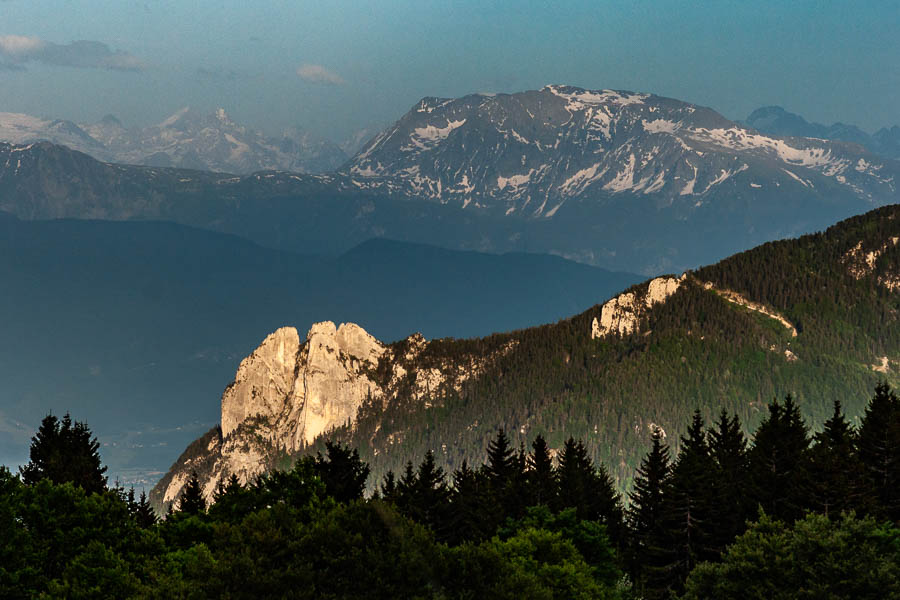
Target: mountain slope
{"type": "Point", "coordinates": [816, 317]}
{"type": "Point", "coordinates": [187, 139]}
{"type": "Point", "coordinates": [134, 326]}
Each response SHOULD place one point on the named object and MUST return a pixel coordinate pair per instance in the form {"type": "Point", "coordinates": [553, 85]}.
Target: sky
{"type": "Point", "coordinates": [337, 67]}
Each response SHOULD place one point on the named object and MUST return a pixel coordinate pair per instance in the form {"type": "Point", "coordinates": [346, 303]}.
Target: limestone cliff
{"type": "Point", "coordinates": [287, 393]}
{"type": "Point", "coordinates": [621, 315]}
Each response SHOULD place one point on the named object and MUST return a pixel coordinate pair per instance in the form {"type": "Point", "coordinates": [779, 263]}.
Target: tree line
{"type": "Point", "coordinates": [787, 514]}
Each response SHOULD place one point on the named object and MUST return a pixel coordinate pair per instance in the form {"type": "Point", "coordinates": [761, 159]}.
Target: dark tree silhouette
{"type": "Point", "coordinates": [644, 516]}
{"type": "Point", "coordinates": [779, 462]}
{"type": "Point", "coordinates": [63, 451]}
{"type": "Point", "coordinates": [342, 471]}
{"type": "Point", "coordinates": [879, 451]}
{"type": "Point", "coordinates": [192, 501]}
{"type": "Point", "coordinates": [836, 472]}
{"type": "Point", "coordinates": [687, 508]}
{"type": "Point", "coordinates": [589, 490]}
{"type": "Point", "coordinates": [541, 476]}
{"type": "Point", "coordinates": [731, 507]}
{"type": "Point", "coordinates": [144, 514]}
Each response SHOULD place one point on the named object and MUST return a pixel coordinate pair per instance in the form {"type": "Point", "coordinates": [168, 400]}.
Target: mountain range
{"type": "Point", "coordinates": [188, 139]}
{"type": "Point", "coordinates": [625, 181]}
{"type": "Point", "coordinates": [136, 327]}
{"type": "Point", "coordinates": [775, 120]}
{"type": "Point", "coordinates": [815, 317]}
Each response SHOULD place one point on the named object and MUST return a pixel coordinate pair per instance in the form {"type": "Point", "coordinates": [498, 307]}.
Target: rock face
{"type": "Point", "coordinates": [287, 393]}
{"type": "Point", "coordinates": [622, 314]}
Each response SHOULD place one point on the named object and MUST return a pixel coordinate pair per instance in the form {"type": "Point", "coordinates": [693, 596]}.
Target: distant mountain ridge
{"type": "Point", "coordinates": [188, 139]}
{"type": "Point", "coordinates": [775, 120]}
{"type": "Point", "coordinates": [625, 181]}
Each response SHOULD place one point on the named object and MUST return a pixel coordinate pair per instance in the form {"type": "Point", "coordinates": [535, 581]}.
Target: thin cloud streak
{"type": "Point", "coordinates": [17, 50]}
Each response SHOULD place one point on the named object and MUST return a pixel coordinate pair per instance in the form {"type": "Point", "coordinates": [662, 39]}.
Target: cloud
{"type": "Point", "coordinates": [319, 74]}
{"type": "Point", "coordinates": [20, 49]}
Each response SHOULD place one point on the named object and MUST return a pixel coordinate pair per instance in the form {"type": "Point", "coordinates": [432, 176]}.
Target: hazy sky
{"type": "Point", "coordinates": [334, 66]}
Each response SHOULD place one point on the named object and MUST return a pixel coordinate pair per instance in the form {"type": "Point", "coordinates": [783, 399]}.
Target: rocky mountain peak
{"type": "Point", "coordinates": [533, 152]}
{"type": "Point", "coordinates": [286, 394]}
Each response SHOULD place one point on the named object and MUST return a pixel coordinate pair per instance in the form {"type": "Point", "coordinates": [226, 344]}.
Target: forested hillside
{"type": "Point", "coordinates": [700, 349]}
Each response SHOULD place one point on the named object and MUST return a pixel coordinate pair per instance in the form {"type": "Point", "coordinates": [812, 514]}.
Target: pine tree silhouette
{"type": "Point", "coordinates": [589, 490]}
{"type": "Point", "coordinates": [144, 514]}
{"type": "Point", "coordinates": [542, 486]}
{"type": "Point", "coordinates": [687, 508]}
{"type": "Point", "coordinates": [836, 472]}
{"type": "Point", "coordinates": [63, 451]}
{"type": "Point", "coordinates": [342, 471]}
{"type": "Point", "coordinates": [730, 506]}
{"type": "Point", "coordinates": [192, 501]}
{"type": "Point", "coordinates": [779, 462]}
{"type": "Point", "coordinates": [879, 452]}
{"type": "Point", "coordinates": [646, 557]}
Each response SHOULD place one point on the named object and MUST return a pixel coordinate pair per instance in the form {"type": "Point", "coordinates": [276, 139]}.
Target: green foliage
{"type": "Point", "coordinates": [58, 540]}
{"type": "Point", "coordinates": [533, 563]}
{"type": "Point", "coordinates": [846, 558]}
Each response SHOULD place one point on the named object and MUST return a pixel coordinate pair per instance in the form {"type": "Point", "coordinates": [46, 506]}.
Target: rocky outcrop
{"type": "Point", "coordinates": [287, 393]}
{"type": "Point", "coordinates": [861, 263]}
{"type": "Point", "coordinates": [622, 314]}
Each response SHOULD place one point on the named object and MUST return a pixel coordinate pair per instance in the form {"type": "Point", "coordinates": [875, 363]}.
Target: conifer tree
{"type": "Point", "coordinates": [644, 517]}
{"type": "Point", "coordinates": [342, 471]}
{"type": "Point", "coordinates": [835, 468]}
{"type": "Point", "coordinates": [192, 501]}
{"type": "Point", "coordinates": [405, 489]}
{"type": "Point", "coordinates": [541, 475]}
{"type": "Point", "coordinates": [63, 451]}
{"type": "Point", "coordinates": [428, 496]}
{"type": "Point", "coordinates": [779, 462]}
{"type": "Point", "coordinates": [730, 507]}
{"type": "Point", "coordinates": [589, 490]}
{"type": "Point", "coordinates": [144, 514]}
{"type": "Point", "coordinates": [501, 461]}
{"type": "Point", "coordinates": [504, 476]}
{"type": "Point", "coordinates": [469, 500]}
{"type": "Point", "coordinates": [879, 452]}
{"type": "Point", "coordinates": [688, 505]}
{"type": "Point", "coordinates": [389, 487]}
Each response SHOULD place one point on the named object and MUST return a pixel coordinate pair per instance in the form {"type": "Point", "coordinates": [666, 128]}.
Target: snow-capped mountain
{"type": "Point", "coordinates": [534, 152]}
{"type": "Point", "coordinates": [626, 181]}
{"type": "Point", "coordinates": [775, 120]}
{"type": "Point", "coordinates": [187, 139]}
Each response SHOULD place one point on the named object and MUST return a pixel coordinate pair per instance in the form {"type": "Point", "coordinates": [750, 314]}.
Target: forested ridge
{"type": "Point", "coordinates": [787, 513]}
{"type": "Point", "coordinates": [697, 350]}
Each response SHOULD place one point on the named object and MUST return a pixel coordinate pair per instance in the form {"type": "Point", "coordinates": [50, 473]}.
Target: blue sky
{"type": "Point", "coordinates": [335, 67]}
